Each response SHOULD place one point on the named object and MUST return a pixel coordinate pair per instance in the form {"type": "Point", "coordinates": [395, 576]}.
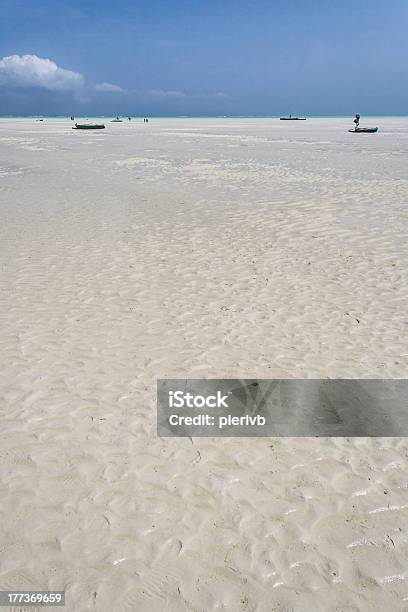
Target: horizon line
{"type": "Point", "coordinates": [83, 116]}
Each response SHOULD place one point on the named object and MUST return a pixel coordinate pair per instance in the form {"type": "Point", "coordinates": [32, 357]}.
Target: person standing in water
{"type": "Point", "coordinates": [357, 120]}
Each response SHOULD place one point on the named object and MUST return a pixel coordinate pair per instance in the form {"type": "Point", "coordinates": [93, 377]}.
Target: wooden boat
{"type": "Point", "coordinates": [290, 118]}
{"type": "Point", "coordinates": [364, 130]}
{"type": "Point", "coordinates": [89, 126]}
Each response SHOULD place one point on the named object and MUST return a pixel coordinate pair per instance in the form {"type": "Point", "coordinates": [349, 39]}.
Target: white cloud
{"type": "Point", "coordinates": [160, 94]}
{"type": "Point", "coordinates": [109, 87]}
{"type": "Point", "coordinates": [218, 95]}
{"type": "Point", "coordinates": [25, 71]}
{"type": "Point", "coordinates": [165, 94]}
{"type": "Point", "coordinates": [34, 71]}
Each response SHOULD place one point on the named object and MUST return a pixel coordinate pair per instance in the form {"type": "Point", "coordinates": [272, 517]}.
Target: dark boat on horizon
{"type": "Point", "coordinates": [364, 130]}
{"type": "Point", "coordinates": [290, 118]}
{"type": "Point", "coordinates": [89, 126]}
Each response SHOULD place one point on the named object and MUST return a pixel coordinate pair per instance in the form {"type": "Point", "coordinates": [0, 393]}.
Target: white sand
{"type": "Point", "coordinates": [198, 248]}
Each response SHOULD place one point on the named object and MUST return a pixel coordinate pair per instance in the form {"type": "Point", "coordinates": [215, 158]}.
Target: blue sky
{"type": "Point", "coordinates": [196, 57]}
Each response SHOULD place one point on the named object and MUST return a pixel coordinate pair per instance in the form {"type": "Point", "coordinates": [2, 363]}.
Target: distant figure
{"type": "Point", "coordinates": [357, 120]}
{"type": "Point", "coordinates": [72, 118]}
{"type": "Point", "coordinates": [147, 121]}
{"type": "Point", "coordinates": [129, 118]}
